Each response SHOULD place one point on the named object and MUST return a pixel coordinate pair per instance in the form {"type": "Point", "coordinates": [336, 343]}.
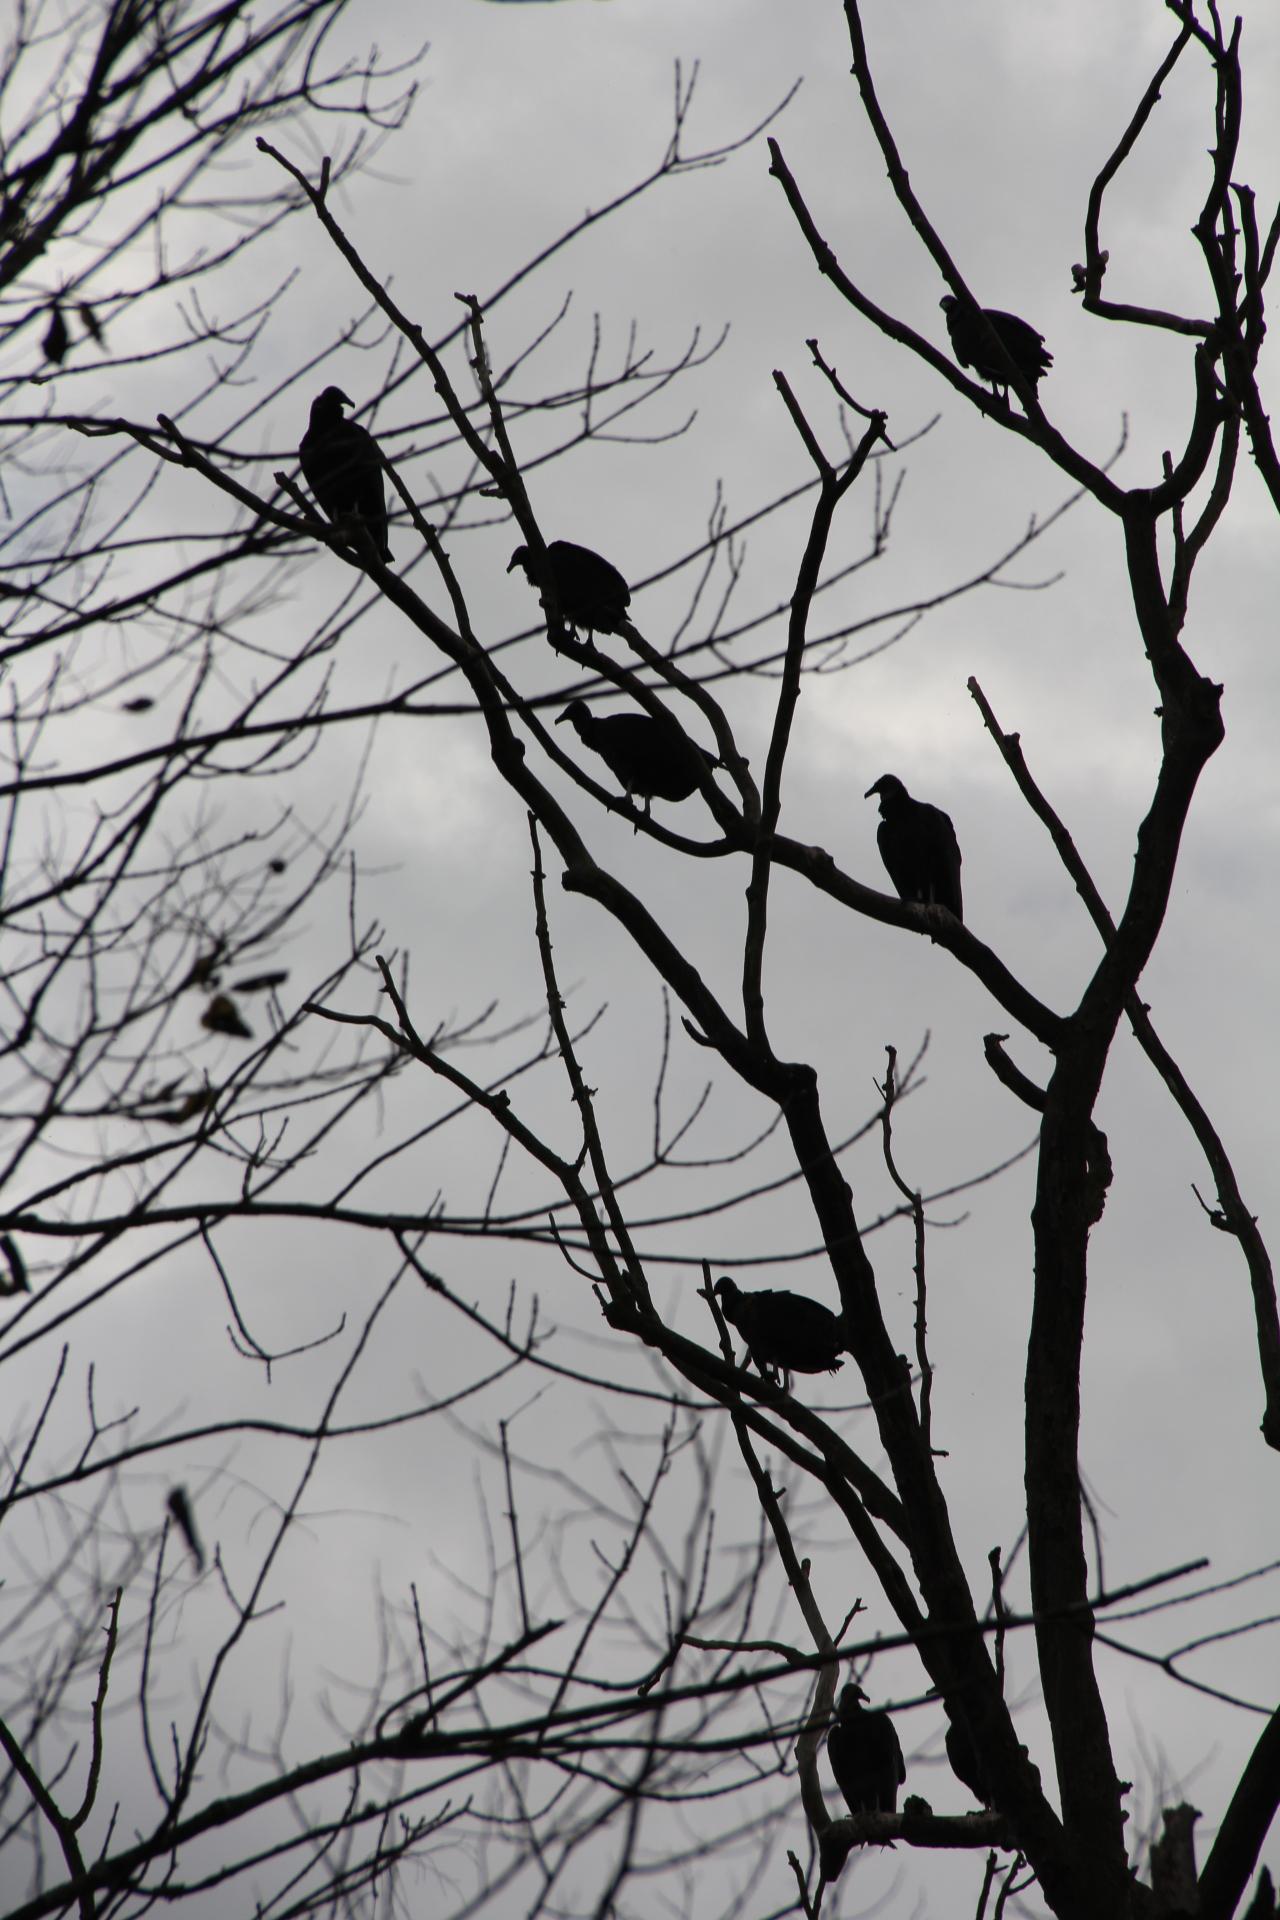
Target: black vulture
{"type": "Point", "coordinates": [263, 982]}
{"type": "Point", "coordinates": [222, 1015]}
{"type": "Point", "coordinates": [865, 1756]}
{"type": "Point", "coordinates": [973, 348]}
{"type": "Point", "coordinates": [965, 1762]}
{"type": "Point", "coordinates": [653, 758]}
{"type": "Point", "coordinates": [590, 593]}
{"type": "Point", "coordinates": [344, 471]}
{"type": "Point", "coordinates": [918, 846]}
{"type": "Point", "coordinates": [784, 1331]}
{"type": "Point", "coordinates": [57, 338]}
{"type": "Point", "coordinates": [179, 1506]}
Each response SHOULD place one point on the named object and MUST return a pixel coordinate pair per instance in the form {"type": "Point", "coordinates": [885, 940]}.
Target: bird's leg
{"type": "Point", "coordinates": [635, 826]}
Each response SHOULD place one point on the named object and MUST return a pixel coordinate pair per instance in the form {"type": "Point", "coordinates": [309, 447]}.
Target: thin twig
{"type": "Point", "coordinates": [997, 1608]}
{"type": "Point", "coordinates": [514, 1523]}
{"type": "Point", "coordinates": [637, 1289]}
{"type": "Point", "coordinates": [915, 1200]}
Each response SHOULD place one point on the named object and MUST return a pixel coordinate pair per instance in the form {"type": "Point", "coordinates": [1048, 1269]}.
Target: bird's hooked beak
{"type": "Point", "coordinates": [870, 790]}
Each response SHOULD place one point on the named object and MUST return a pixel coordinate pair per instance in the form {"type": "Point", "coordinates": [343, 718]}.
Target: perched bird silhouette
{"type": "Point", "coordinates": [179, 1505]}
{"type": "Point", "coordinates": [784, 1331]}
{"type": "Point", "coordinates": [865, 1756]}
{"type": "Point", "coordinates": [654, 759]}
{"type": "Point", "coordinates": [966, 1763]}
{"type": "Point", "coordinates": [263, 982]}
{"type": "Point", "coordinates": [344, 471]}
{"type": "Point", "coordinates": [973, 348]}
{"type": "Point", "coordinates": [918, 846]}
{"type": "Point", "coordinates": [591, 594]}
{"type": "Point", "coordinates": [222, 1015]}
{"type": "Point", "coordinates": [57, 336]}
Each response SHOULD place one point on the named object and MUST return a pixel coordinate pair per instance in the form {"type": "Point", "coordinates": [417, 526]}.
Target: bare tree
{"type": "Point", "coordinates": [637, 1678]}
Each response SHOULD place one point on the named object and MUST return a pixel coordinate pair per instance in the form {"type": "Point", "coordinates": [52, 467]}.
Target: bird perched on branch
{"type": "Point", "coordinates": [222, 1015]}
{"type": "Point", "coordinates": [973, 347]}
{"type": "Point", "coordinates": [343, 469]}
{"type": "Point", "coordinates": [865, 1756]}
{"type": "Point", "coordinates": [57, 338]}
{"type": "Point", "coordinates": [918, 846]}
{"type": "Point", "coordinates": [784, 1331]}
{"type": "Point", "coordinates": [589, 592]}
{"type": "Point", "coordinates": [654, 759]}
{"type": "Point", "coordinates": [179, 1505]}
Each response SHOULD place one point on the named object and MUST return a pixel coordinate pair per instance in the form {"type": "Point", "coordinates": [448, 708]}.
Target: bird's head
{"type": "Point", "coordinates": [327, 406]}
{"type": "Point", "coordinates": [523, 558]}
{"type": "Point", "coordinates": [890, 790]}
{"type": "Point", "coordinates": [729, 1294]}
{"type": "Point", "coordinates": [948, 303]}
{"type": "Point", "coordinates": [849, 1700]}
{"type": "Point", "coordinates": [578, 713]}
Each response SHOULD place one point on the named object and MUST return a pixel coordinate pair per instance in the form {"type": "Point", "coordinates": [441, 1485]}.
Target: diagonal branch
{"type": "Point", "coordinates": [832, 487]}
{"type": "Point", "coordinates": [1094, 258]}
{"type": "Point", "coordinates": [1232, 1215]}
{"type": "Point", "coordinates": [1245, 1826]}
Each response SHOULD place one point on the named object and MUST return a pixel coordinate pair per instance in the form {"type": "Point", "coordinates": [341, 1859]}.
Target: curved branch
{"type": "Point", "coordinates": [1245, 1826]}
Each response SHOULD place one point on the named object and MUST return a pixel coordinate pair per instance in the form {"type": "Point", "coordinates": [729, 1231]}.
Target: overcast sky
{"type": "Point", "coordinates": [529, 114]}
